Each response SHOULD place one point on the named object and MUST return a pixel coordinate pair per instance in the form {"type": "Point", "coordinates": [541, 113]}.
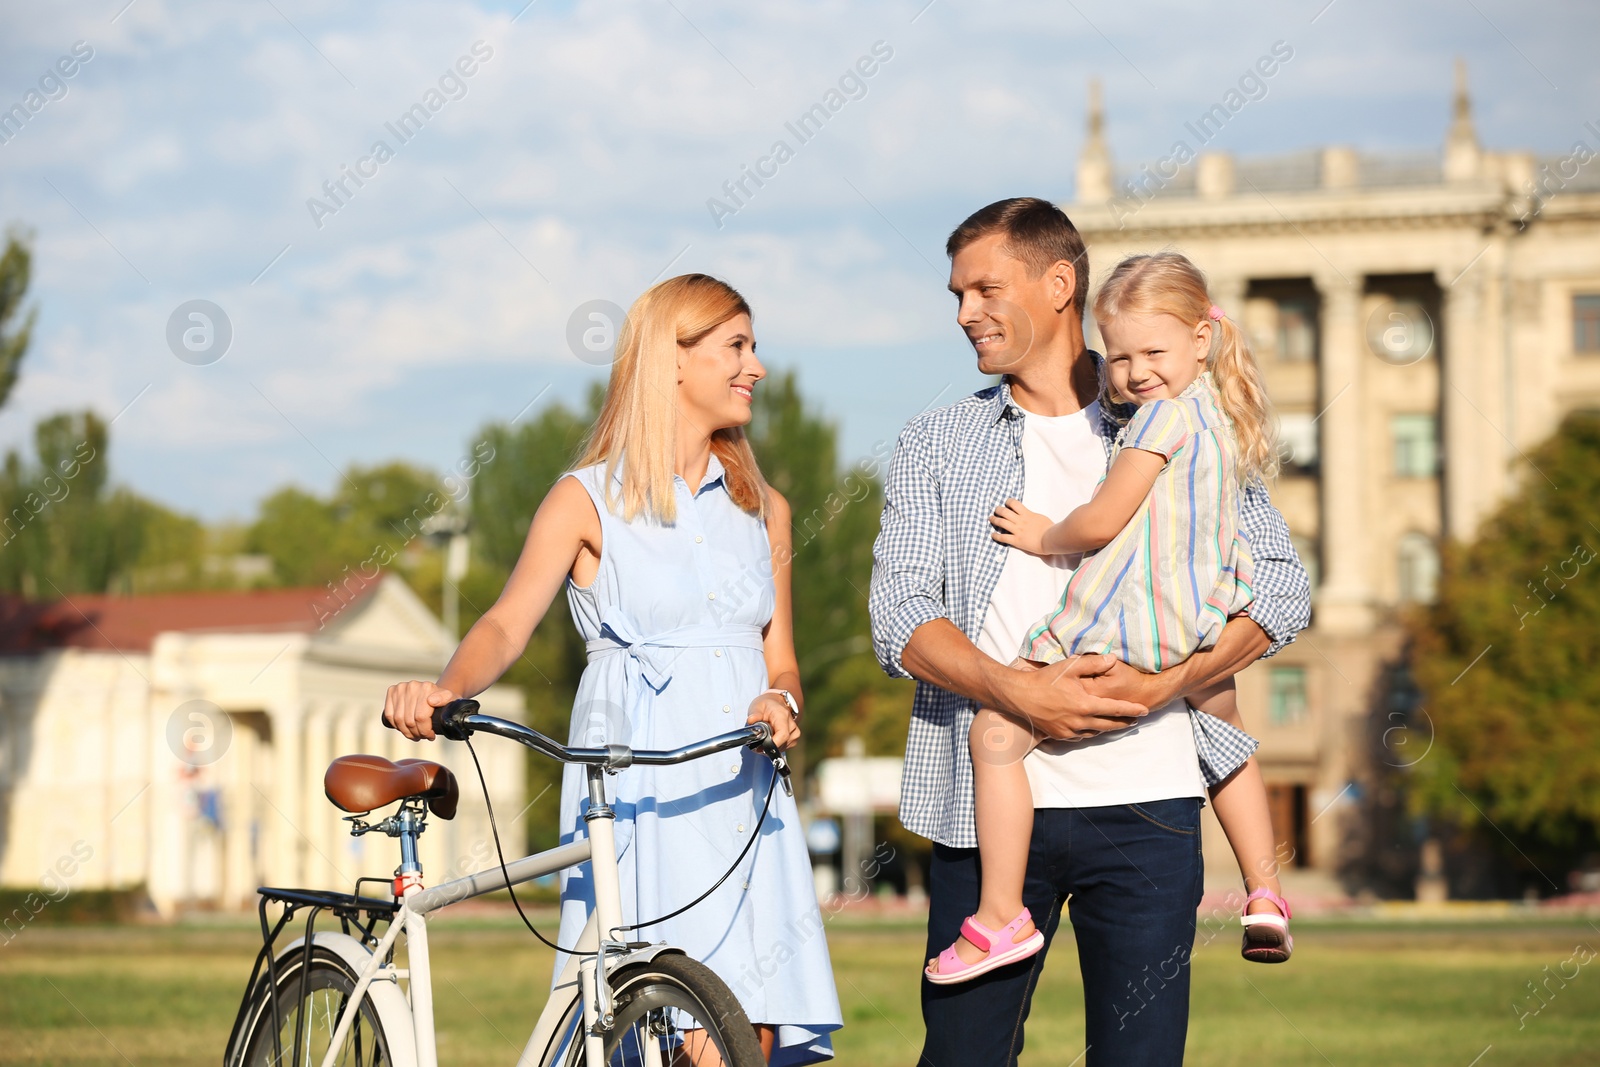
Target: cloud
{"type": "Point", "coordinates": [584, 151]}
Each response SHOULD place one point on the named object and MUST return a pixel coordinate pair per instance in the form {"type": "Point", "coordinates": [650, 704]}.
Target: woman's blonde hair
{"type": "Point", "coordinates": [638, 422]}
{"type": "Point", "coordinates": [1167, 283]}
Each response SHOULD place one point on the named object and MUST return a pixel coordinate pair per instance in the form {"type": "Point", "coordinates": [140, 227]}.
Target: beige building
{"type": "Point", "coordinates": [1422, 322]}
{"type": "Point", "coordinates": [178, 742]}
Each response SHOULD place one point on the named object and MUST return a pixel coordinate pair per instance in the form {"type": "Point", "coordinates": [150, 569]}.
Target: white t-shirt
{"type": "Point", "coordinates": [1063, 459]}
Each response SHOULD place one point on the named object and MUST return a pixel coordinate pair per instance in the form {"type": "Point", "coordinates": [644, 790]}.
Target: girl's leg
{"type": "Point", "coordinates": [1005, 819]}
{"type": "Point", "coordinates": [1241, 805]}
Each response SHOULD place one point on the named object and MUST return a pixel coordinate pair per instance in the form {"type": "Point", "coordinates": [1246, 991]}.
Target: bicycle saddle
{"type": "Point", "coordinates": [365, 783]}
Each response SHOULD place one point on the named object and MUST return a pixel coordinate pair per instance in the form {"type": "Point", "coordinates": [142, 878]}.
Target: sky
{"type": "Point", "coordinates": [561, 153]}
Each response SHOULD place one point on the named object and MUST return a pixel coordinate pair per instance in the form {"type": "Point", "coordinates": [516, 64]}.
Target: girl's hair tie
{"type": "Point", "coordinates": [1215, 313]}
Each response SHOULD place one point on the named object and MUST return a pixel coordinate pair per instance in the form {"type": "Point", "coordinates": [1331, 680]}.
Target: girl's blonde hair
{"type": "Point", "coordinates": [1167, 283]}
{"type": "Point", "coordinates": [638, 422]}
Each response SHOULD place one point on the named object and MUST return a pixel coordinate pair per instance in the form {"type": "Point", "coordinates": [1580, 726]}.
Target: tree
{"type": "Point", "coordinates": [376, 519]}
{"type": "Point", "coordinates": [64, 530]}
{"type": "Point", "coordinates": [836, 515]}
{"type": "Point", "coordinates": [1506, 660]}
{"type": "Point", "coordinates": [16, 270]}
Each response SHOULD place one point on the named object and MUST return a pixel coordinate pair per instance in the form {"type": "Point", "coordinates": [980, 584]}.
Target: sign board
{"type": "Point", "coordinates": [851, 785]}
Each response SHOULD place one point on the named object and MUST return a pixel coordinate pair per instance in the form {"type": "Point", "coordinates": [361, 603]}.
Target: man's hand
{"type": "Point", "coordinates": [1240, 644]}
{"type": "Point", "coordinates": [1058, 701]}
{"type": "Point", "coordinates": [1123, 682]}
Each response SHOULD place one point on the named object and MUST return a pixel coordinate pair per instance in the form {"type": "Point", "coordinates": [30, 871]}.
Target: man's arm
{"type": "Point", "coordinates": [1240, 644]}
{"type": "Point", "coordinates": [1053, 699]}
{"type": "Point", "coordinates": [908, 557]}
{"type": "Point", "coordinates": [1282, 605]}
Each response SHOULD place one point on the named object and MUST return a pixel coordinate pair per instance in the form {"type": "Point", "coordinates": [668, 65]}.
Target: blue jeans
{"type": "Point", "coordinates": [1131, 877]}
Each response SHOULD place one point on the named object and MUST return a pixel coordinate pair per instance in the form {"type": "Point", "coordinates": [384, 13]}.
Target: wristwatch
{"type": "Point", "coordinates": [788, 698]}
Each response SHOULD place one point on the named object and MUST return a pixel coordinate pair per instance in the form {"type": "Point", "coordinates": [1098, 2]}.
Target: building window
{"type": "Point", "coordinates": [1297, 331]}
{"type": "Point", "coordinates": [1418, 569]}
{"type": "Point", "coordinates": [1586, 324]}
{"type": "Point", "coordinates": [1416, 445]}
{"type": "Point", "coordinates": [1287, 694]}
{"type": "Point", "coordinates": [1297, 440]}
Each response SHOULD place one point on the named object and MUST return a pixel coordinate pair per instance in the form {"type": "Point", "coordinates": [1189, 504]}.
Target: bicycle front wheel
{"type": "Point", "coordinates": [301, 1029]}
{"type": "Point", "coordinates": [672, 1012]}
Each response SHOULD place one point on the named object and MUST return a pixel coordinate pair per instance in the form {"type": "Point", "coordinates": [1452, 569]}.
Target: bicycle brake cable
{"type": "Point", "coordinates": [754, 836]}
{"type": "Point", "coordinates": [500, 854]}
{"type": "Point", "coordinates": [494, 830]}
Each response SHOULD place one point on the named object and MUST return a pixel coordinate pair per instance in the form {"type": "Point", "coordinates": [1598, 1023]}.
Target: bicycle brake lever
{"type": "Point", "coordinates": [780, 762]}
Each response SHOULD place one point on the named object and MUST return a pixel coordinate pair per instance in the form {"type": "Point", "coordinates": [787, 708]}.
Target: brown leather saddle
{"type": "Point", "coordinates": [365, 783]}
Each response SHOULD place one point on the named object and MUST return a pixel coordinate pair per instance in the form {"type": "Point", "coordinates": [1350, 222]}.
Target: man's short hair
{"type": "Point", "coordinates": [1036, 232]}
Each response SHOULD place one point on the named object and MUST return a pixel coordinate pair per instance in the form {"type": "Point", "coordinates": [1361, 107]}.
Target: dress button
{"type": "Point", "coordinates": [718, 653]}
{"type": "Point", "coordinates": [711, 596]}
{"type": "Point", "coordinates": [740, 828]}
{"type": "Point", "coordinates": [727, 707]}
{"type": "Point", "coordinates": [733, 768]}
{"type": "Point", "coordinates": [698, 539]}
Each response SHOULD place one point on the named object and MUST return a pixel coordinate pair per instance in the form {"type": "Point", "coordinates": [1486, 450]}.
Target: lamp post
{"type": "Point", "coordinates": [450, 532]}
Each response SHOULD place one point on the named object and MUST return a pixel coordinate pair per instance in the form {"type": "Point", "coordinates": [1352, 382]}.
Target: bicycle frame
{"type": "Point", "coordinates": [584, 977]}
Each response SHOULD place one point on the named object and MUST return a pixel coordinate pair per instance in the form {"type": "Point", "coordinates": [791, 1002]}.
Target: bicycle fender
{"type": "Point", "coordinates": [394, 1013]}
{"type": "Point", "coordinates": [643, 955]}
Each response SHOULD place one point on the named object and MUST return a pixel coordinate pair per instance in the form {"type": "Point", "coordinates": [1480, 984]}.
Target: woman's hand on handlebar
{"type": "Point", "coordinates": [408, 707]}
{"type": "Point", "coordinates": [771, 709]}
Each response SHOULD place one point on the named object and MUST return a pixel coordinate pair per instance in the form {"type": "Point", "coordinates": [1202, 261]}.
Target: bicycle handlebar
{"type": "Point", "coordinates": [459, 719]}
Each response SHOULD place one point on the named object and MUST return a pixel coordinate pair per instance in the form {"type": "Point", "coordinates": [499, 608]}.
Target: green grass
{"type": "Point", "coordinates": [1356, 993]}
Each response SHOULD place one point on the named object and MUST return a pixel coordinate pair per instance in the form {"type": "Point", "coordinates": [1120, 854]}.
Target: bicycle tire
{"type": "Point", "coordinates": [327, 991]}
{"type": "Point", "coordinates": [644, 993]}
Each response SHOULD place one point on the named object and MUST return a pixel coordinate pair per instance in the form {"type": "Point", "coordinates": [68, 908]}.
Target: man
{"type": "Point", "coordinates": [1117, 797]}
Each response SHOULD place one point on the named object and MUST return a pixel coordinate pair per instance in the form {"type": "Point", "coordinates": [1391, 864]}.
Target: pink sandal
{"type": "Point", "coordinates": [1001, 945]}
{"type": "Point", "coordinates": [1266, 936]}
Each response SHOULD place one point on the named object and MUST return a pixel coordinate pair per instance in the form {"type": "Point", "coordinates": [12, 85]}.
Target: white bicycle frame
{"type": "Point", "coordinates": [585, 977]}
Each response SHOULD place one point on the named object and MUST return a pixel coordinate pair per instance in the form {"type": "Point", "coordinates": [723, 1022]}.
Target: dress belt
{"type": "Point", "coordinates": [653, 656]}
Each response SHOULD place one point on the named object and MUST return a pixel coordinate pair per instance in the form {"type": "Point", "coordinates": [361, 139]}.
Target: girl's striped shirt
{"type": "Point", "coordinates": [1164, 587]}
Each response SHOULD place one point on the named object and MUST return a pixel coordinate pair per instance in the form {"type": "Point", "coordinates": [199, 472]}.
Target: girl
{"type": "Point", "coordinates": [1169, 566]}
{"type": "Point", "coordinates": [675, 556]}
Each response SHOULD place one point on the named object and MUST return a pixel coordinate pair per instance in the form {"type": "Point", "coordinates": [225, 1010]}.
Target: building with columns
{"type": "Point", "coordinates": [1423, 320]}
{"type": "Point", "coordinates": [177, 742]}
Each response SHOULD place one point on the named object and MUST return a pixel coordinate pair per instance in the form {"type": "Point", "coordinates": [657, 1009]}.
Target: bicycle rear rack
{"type": "Point", "coordinates": [348, 907]}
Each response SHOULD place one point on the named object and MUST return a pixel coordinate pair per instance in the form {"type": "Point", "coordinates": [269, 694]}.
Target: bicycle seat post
{"type": "Point", "coordinates": [409, 827]}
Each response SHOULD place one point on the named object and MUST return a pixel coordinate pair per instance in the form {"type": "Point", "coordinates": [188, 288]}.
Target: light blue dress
{"type": "Point", "coordinates": [673, 622]}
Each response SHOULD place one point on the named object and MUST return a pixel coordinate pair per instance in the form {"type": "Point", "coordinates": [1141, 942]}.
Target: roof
{"type": "Point", "coordinates": [131, 623]}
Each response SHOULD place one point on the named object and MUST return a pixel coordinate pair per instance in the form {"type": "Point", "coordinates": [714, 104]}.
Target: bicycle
{"type": "Point", "coordinates": [333, 999]}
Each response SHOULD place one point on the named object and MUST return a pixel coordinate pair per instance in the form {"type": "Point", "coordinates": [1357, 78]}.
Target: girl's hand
{"type": "Point", "coordinates": [1020, 528]}
{"type": "Point", "coordinates": [408, 707]}
{"type": "Point", "coordinates": [771, 709]}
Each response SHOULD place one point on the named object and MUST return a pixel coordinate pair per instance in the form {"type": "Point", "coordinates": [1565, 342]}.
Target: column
{"type": "Point", "coordinates": [320, 816]}
{"type": "Point", "coordinates": [1344, 602]}
{"type": "Point", "coordinates": [239, 804]}
{"type": "Point", "coordinates": [1227, 292]}
{"type": "Point", "coordinates": [1472, 443]}
{"type": "Point", "coordinates": [285, 820]}
{"type": "Point", "coordinates": [348, 854]}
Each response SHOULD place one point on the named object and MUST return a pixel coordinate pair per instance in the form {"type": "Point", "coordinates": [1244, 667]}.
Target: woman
{"type": "Point", "coordinates": [675, 555]}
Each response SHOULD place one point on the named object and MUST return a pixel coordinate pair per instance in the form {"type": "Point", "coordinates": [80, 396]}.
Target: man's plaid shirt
{"type": "Point", "coordinates": [935, 559]}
